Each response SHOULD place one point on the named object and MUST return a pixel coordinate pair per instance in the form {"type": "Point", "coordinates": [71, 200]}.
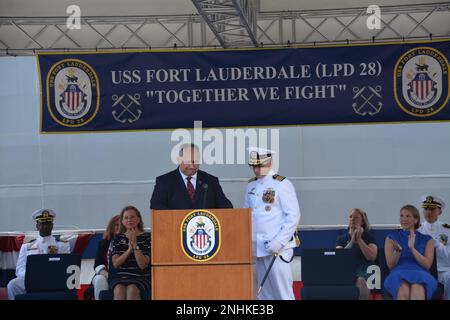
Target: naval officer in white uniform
{"type": "Point", "coordinates": [275, 216]}
{"type": "Point", "coordinates": [45, 243]}
{"type": "Point", "coordinates": [440, 232]}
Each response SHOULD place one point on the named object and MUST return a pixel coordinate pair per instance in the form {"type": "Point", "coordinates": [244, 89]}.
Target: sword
{"type": "Point", "coordinates": [267, 273]}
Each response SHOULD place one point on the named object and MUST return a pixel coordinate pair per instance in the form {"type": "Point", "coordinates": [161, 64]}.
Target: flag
{"type": "Point", "coordinates": [9, 253]}
{"type": "Point", "coordinates": [78, 241]}
{"type": "Point", "coordinates": [10, 248]}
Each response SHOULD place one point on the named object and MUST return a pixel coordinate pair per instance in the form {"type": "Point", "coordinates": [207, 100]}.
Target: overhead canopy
{"type": "Point", "coordinates": [108, 24]}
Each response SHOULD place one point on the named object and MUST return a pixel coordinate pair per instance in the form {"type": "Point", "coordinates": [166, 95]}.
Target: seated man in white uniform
{"type": "Point", "coordinates": [45, 243]}
{"type": "Point", "coordinates": [275, 216]}
{"type": "Point", "coordinates": [440, 232]}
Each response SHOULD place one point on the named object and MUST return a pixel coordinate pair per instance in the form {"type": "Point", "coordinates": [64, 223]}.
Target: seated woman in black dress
{"type": "Point", "coordinates": [103, 255]}
{"type": "Point", "coordinates": [131, 258]}
{"type": "Point", "coordinates": [361, 240]}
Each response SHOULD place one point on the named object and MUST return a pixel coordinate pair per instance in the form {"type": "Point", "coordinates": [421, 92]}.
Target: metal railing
{"type": "Point", "coordinates": [245, 27]}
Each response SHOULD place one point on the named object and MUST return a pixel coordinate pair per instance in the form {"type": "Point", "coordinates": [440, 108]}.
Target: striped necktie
{"type": "Point", "coordinates": [190, 189]}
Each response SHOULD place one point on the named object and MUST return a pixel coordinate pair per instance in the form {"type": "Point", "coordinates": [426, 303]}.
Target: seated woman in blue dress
{"type": "Point", "coordinates": [409, 255]}
{"type": "Point", "coordinates": [131, 258]}
{"type": "Point", "coordinates": [361, 240]}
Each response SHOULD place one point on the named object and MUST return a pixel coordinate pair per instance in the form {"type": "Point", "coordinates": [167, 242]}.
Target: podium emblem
{"type": "Point", "coordinates": [200, 235]}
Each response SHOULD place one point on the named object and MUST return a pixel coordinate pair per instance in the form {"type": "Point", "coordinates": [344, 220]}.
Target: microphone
{"type": "Point", "coordinates": [205, 187]}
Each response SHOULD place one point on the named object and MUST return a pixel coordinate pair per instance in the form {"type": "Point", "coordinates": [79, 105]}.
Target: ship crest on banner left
{"type": "Point", "coordinates": [73, 96]}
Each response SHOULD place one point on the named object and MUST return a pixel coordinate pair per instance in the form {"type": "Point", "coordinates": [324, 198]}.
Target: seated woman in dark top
{"type": "Point", "coordinates": [103, 255]}
{"type": "Point", "coordinates": [131, 258]}
{"type": "Point", "coordinates": [361, 240]}
{"type": "Point", "coordinates": [409, 255]}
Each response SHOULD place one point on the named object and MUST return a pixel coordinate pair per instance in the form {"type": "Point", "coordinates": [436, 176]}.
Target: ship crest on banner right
{"type": "Point", "coordinates": [421, 81]}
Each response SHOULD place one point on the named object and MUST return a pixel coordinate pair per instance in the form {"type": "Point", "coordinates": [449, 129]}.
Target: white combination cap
{"type": "Point", "coordinates": [44, 215]}
{"type": "Point", "coordinates": [259, 156]}
{"type": "Point", "coordinates": [432, 202]}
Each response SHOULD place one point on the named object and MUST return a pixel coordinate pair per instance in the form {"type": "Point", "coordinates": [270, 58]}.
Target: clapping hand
{"type": "Point", "coordinates": [397, 246]}
{"type": "Point", "coordinates": [352, 233]}
{"type": "Point", "coordinates": [358, 233]}
{"type": "Point", "coordinates": [411, 239]}
{"type": "Point", "coordinates": [132, 241]}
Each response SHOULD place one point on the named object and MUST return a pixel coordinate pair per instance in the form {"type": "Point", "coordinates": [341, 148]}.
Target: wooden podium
{"type": "Point", "coordinates": [202, 254]}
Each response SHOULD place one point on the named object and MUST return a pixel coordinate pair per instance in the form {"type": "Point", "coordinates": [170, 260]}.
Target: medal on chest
{"type": "Point", "coordinates": [268, 195]}
{"type": "Point", "coordinates": [268, 198]}
{"type": "Point", "coordinates": [52, 249]}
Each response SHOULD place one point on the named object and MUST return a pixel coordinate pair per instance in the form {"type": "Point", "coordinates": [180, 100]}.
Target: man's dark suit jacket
{"type": "Point", "coordinates": [170, 193]}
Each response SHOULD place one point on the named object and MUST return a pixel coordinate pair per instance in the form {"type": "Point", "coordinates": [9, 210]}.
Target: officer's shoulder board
{"type": "Point", "coordinates": [252, 179]}
{"type": "Point", "coordinates": [31, 244]}
{"type": "Point", "coordinates": [61, 239]}
{"type": "Point", "coordinates": [278, 177]}
{"type": "Point", "coordinates": [446, 225]}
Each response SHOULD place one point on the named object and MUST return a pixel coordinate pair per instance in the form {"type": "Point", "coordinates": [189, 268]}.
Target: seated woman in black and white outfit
{"type": "Point", "coordinates": [131, 258]}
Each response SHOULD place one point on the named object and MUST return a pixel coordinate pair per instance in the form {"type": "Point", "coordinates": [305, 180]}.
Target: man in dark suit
{"type": "Point", "coordinates": [187, 187]}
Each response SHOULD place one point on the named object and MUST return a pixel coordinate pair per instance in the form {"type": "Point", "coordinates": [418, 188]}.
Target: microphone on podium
{"type": "Point", "coordinates": [205, 187]}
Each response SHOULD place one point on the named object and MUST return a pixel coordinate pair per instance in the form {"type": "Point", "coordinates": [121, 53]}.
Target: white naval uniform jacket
{"type": "Point", "coordinates": [442, 251]}
{"type": "Point", "coordinates": [39, 246]}
{"type": "Point", "coordinates": [275, 211]}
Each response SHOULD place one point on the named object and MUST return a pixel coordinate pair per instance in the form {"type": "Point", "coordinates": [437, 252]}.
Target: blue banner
{"type": "Point", "coordinates": [366, 83]}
